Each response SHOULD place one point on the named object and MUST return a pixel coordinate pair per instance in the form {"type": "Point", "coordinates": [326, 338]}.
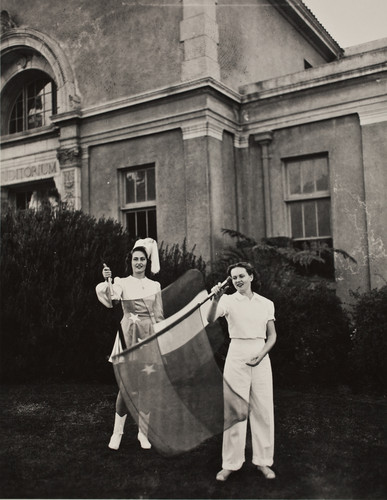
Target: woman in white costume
{"type": "Point", "coordinates": [142, 307]}
{"type": "Point", "coordinates": [247, 370]}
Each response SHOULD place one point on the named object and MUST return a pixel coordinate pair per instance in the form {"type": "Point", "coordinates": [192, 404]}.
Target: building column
{"type": "Point", "coordinates": [69, 186]}
{"type": "Point", "coordinates": [69, 155]}
{"type": "Point", "coordinates": [200, 37]}
{"type": "Point", "coordinates": [373, 122]}
{"type": "Point", "coordinates": [202, 154]}
{"type": "Point", "coordinates": [264, 139]}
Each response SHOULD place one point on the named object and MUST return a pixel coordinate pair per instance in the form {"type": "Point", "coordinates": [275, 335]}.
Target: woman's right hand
{"type": "Point", "coordinates": [218, 291]}
{"type": "Point", "coordinates": [106, 273]}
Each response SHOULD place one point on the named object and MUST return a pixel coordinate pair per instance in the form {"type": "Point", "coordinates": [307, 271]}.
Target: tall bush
{"type": "Point", "coordinates": [52, 325]}
{"type": "Point", "coordinates": [368, 355]}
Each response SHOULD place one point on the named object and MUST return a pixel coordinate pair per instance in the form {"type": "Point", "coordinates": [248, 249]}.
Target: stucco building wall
{"type": "Point", "coordinates": [340, 140]}
{"type": "Point", "coordinates": [257, 43]}
{"type": "Point", "coordinates": [115, 48]}
{"type": "Point", "coordinates": [166, 152]}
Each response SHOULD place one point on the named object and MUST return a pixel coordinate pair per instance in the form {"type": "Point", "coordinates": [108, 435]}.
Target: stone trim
{"type": "Point", "coordinates": [69, 156]}
{"type": "Point", "coordinates": [369, 110]}
{"type": "Point", "coordinates": [373, 114]}
{"type": "Point", "coordinates": [14, 39]}
{"type": "Point", "coordinates": [161, 93]}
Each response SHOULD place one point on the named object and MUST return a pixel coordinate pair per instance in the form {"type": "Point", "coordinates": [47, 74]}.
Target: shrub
{"type": "Point", "coordinates": [369, 339]}
{"type": "Point", "coordinates": [175, 260]}
{"type": "Point", "coordinates": [52, 325]}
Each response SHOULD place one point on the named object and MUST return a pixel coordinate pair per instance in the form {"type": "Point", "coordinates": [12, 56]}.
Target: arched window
{"type": "Point", "coordinates": [34, 104]}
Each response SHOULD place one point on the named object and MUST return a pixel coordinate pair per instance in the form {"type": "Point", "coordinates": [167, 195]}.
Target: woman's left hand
{"type": "Point", "coordinates": [255, 361]}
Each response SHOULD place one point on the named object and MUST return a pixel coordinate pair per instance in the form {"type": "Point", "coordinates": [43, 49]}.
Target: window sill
{"type": "Point", "coordinates": [29, 135]}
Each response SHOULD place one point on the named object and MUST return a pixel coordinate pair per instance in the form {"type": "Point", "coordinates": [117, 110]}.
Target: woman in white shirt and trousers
{"type": "Point", "coordinates": [247, 369]}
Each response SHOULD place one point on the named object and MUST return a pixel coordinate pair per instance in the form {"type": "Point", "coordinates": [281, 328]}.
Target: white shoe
{"type": "Point", "coordinates": [145, 444]}
{"type": "Point", "coordinates": [223, 474]}
{"type": "Point", "coordinates": [266, 471]}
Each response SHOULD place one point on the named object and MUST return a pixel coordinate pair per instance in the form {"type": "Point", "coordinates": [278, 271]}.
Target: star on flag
{"type": "Point", "coordinates": [148, 369]}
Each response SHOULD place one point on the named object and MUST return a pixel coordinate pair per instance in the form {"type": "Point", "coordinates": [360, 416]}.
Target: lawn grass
{"type": "Point", "coordinates": [54, 445]}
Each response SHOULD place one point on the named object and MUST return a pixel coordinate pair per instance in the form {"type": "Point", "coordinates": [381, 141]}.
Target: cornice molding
{"type": "Point", "coordinates": [375, 113]}
{"type": "Point", "coordinates": [372, 110]}
{"type": "Point", "coordinates": [299, 84]}
{"type": "Point", "coordinates": [162, 93]}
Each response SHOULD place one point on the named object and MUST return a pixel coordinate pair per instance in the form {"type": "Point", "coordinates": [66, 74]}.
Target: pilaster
{"type": "Point", "coordinates": [69, 155]}
{"type": "Point", "coordinates": [200, 37]}
{"type": "Point", "coordinates": [264, 139]}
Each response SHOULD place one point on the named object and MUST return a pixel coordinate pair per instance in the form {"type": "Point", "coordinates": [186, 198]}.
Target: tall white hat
{"type": "Point", "coordinates": [152, 252]}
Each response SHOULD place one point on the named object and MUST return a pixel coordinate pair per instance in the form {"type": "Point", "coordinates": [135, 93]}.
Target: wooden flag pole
{"type": "Point", "coordinates": [111, 293]}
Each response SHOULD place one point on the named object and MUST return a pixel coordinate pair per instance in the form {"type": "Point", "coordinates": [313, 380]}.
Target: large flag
{"type": "Point", "coordinates": [171, 378]}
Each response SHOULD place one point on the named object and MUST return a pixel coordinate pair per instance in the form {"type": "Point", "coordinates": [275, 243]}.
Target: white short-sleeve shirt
{"type": "Point", "coordinates": [246, 318]}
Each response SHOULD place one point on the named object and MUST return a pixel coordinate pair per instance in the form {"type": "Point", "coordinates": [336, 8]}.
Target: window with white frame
{"type": "Point", "coordinates": [309, 207]}
{"type": "Point", "coordinates": [34, 104]}
{"type": "Point", "coordinates": [138, 195]}
{"type": "Point", "coordinates": [308, 198]}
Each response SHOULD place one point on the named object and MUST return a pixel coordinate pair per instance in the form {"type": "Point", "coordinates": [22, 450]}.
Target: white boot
{"type": "Point", "coordinates": [118, 430]}
{"type": "Point", "coordinates": [142, 435]}
{"type": "Point", "coordinates": [145, 444]}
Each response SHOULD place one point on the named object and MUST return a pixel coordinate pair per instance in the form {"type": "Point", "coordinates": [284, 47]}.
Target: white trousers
{"type": "Point", "coordinates": [255, 385]}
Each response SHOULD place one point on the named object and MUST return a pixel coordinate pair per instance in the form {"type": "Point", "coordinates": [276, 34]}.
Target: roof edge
{"type": "Point", "coordinates": [302, 18]}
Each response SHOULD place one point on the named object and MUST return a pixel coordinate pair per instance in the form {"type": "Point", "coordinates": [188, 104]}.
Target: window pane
{"type": "Point", "coordinates": [152, 226]}
{"type": "Point", "coordinates": [130, 187]}
{"type": "Point", "coordinates": [140, 185]}
{"type": "Point", "coordinates": [47, 103]}
{"type": "Point", "coordinates": [307, 177]}
{"type": "Point", "coordinates": [34, 105]}
{"type": "Point", "coordinates": [19, 107]}
{"type": "Point", "coordinates": [16, 126]}
{"type": "Point", "coordinates": [294, 178]}
{"type": "Point", "coordinates": [131, 223]}
{"type": "Point", "coordinates": [141, 224]}
{"type": "Point", "coordinates": [324, 217]}
{"type": "Point", "coordinates": [310, 219]}
{"type": "Point", "coordinates": [321, 174]}
{"type": "Point", "coordinates": [151, 184]}
{"type": "Point", "coordinates": [31, 90]}
{"type": "Point", "coordinates": [296, 220]}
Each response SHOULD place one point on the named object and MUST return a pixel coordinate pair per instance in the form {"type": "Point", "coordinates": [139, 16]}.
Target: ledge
{"type": "Point", "coordinates": [29, 135]}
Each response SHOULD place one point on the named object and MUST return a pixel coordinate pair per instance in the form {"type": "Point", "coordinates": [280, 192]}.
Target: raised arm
{"type": "Point", "coordinates": [212, 312]}
{"type": "Point", "coordinates": [107, 292]}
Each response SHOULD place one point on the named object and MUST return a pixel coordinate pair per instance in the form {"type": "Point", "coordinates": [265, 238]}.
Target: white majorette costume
{"type": "Point", "coordinates": [247, 320]}
{"type": "Point", "coordinates": [142, 307]}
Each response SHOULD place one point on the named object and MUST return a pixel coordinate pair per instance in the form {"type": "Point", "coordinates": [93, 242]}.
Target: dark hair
{"type": "Point", "coordinates": [128, 260]}
{"type": "Point", "coordinates": [255, 284]}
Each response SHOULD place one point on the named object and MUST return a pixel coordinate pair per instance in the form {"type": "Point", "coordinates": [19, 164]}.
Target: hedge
{"type": "Point", "coordinates": [52, 325]}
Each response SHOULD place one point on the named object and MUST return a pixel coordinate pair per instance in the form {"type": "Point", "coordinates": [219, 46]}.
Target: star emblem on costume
{"type": "Point", "coordinates": [148, 369]}
{"type": "Point", "coordinates": [134, 318]}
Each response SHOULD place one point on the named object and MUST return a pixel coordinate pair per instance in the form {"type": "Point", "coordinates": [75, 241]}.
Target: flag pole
{"type": "Point", "coordinates": [222, 285]}
{"type": "Point", "coordinates": [180, 319]}
{"type": "Point", "coordinates": [110, 295]}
